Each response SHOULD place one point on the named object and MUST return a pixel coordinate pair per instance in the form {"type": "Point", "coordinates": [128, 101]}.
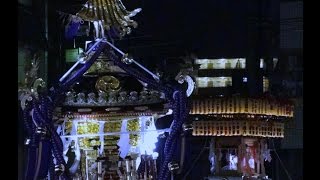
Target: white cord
{"type": "Point", "coordinates": [285, 169]}
{"type": "Point", "coordinates": [195, 161]}
{"type": "Point", "coordinates": [135, 62]}
{"type": "Point", "coordinates": [117, 133]}
{"type": "Point", "coordinates": [79, 61]}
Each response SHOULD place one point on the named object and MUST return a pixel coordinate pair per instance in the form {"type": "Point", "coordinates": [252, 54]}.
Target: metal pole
{"type": "Point", "coordinates": [76, 64]}
{"type": "Point", "coordinates": [47, 39]}
{"type": "Point", "coordinates": [135, 62]}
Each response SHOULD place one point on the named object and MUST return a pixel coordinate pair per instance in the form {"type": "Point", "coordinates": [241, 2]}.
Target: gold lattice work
{"type": "Point", "coordinates": [238, 128]}
{"type": "Point", "coordinates": [237, 105]}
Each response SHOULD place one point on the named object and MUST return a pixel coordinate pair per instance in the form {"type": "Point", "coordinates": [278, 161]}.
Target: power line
{"type": "Point", "coordinates": [196, 160]}
{"type": "Point", "coordinates": [283, 166]}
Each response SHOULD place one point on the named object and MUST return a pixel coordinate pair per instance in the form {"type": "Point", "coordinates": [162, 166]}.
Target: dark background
{"type": "Point", "coordinates": [167, 31]}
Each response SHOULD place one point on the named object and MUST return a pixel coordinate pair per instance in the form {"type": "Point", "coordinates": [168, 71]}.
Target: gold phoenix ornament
{"type": "Point", "coordinates": [107, 14]}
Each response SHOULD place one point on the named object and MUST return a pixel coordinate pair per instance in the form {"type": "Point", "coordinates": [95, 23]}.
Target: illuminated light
{"type": "Point", "coordinates": [149, 140]}
{"type": "Point", "coordinates": [265, 84]}
{"type": "Point", "coordinates": [86, 44]}
{"type": "Point", "coordinates": [222, 59]}
{"type": "Point", "coordinates": [169, 112]}
{"type": "Point", "coordinates": [245, 79]}
{"type": "Point", "coordinates": [275, 62]}
{"type": "Point", "coordinates": [233, 162]}
{"type": "Point", "coordinates": [223, 63]}
{"type": "Point", "coordinates": [203, 82]}
{"type": "Point", "coordinates": [155, 155]}
{"type": "Point", "coordinates": [251, 163]}
{"type": "Point", "coordinates": [261, 63]}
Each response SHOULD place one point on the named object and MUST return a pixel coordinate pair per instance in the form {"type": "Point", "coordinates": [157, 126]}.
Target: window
{"type": "Point", "coordinates": [245, 79]}
{"type": "Point", "coordinates": [204, 82]}
{"type": "Point", "coordinates": [261, 63]}
{"type": "Point", "coordinates": [73, 54]}
{"type": "Point", "coordinates": [275, 62]}
{"type": "Point", "coordinates": [236, 63]}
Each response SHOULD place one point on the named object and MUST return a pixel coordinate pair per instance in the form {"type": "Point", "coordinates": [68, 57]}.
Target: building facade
{"type": "Point", "coordinates": [288, 81]}
{"type": "Point", "coordinates": [274, 40]}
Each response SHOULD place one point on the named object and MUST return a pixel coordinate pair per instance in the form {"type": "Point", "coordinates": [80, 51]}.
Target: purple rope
{"type": "Point", "coordinates": [176, 129]}
{"type": "Point", "coordinates": [168, 157]}
{"type": "Point", "coordinates": [43, 116]}
{"type": "Point", "coordinates": [57, 146]}
{"type": "Point", "coordinates": [33, 137]}
{"type": "Point", "coordinates": [175, 119]}
{"type": "Point", "coordinates": [27, 120]}
{"type": "Point", "coordinates": [45, 109]}
{"type": "Point", "coordinates": [50, 111]}
{"type": "Point", "coordinates": [57, 154]}
{"type": "Point", "coordinates": [30, 127]}
{"type": "Point", "coordinates": [32, 149]}
{"type": "Point", "coordinates": [56, 139]}
{"type": "Point", "coordinates": [51, 168]}
{"type": "Point", "coordinates": [54, 135]}
{"type": "Point", "coordinates": [169, 145]}
{"type": "Point", "coordinates": [38, 118]}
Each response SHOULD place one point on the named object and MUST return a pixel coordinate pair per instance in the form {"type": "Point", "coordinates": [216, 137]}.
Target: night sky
{"type": "Point", "coordinates": [209, 28]}
{"type": "Point", "coordinates": [172, 28]}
